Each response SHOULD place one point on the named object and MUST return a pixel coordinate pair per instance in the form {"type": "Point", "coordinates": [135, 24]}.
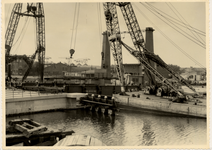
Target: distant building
{"type": "Point", "coordinates": [56, 69]}
{"type": "Point", "coordinates": [18, 67]}
{"type": "Point", "coordinates": [60, 68]}
{"type": "Point", "coordinates": [194, 74]}
{"type": "Point", "coordinates": [72, 74]}
{"type": "Point", "coordinates": [134, 73]}
{"type": "Point", "coordinates": [98, 73]}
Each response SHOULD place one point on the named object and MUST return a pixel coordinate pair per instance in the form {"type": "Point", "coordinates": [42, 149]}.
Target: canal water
{"type": "Point", "coordinates": [129, 127]}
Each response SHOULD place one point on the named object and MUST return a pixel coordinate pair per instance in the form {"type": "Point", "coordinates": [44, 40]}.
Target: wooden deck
{"type": "Point", "coordinates": [79, 140]}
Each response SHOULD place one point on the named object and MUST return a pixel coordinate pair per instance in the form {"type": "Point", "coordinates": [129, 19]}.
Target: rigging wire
{"type": "Point", "coordinates": [194, 29]}
{"type": "Point", "coordinates": [100, 18]}
{"type": "Point", "coordinates": [200, 39]}
{"type": "Point", "coordinates": [173, 42]}
{"type": "Point", "coordinates": [99, 23]}
{"type": "Point", "coordinates": [72, 33]}
{"type": "Point", "coordinates": [22, 31]}
{"type": "Point", "coordinates": [77, 24]}
{"type": "Point", "coordinates": [182, 32]}
{"type": "Point", "coordinates": [175, 22]}
{"type": "Point", "coordinates": [186, 54]}
{"type": "Point", "coordinates": [25, 29]}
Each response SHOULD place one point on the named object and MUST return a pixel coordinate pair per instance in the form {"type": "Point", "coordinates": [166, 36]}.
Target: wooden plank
{"type": "Point", "coordinates": [15, 121]}
{"type": "Point", "coordinates": [74, 142]}
{"type": "Point", "coordinates": [60, 142]}
{"type": "Point", "coordinates": [92, 143]}
{"type": "Point", "coordinates": [35, 123]}
{"type": "Point", "coordinates": [21, 129]}
{"type": "Point", "coordinates": [68, 140]}
{"type": "Point", "coordinates": [98, 142]}
{"type": "Point", "coordinates": [87, 141]}
{"type": "Point", "coordinates": [65, 141]}
{"type": "Point", "coordinates": [28, 132]}
{"type": "Point", "coordinates": [71, 138]}
{"type": "Point", "coordinates": [81, 141]}
{"type": "Point", "coordinates": [25, 124]}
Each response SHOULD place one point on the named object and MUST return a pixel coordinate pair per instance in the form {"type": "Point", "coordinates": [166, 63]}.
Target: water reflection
{"type": "Point", "coordinates": [148, 134]}
{"type": "Point", "coordinates": [128, 127]}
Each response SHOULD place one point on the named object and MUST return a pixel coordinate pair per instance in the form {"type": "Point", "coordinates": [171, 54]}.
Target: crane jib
{"type": "Point", "coordinates": [138, 55]}
{"type": "Point", "coordinates": [37, 12]}
{"type": "Point", "coordinates": [138, 41]}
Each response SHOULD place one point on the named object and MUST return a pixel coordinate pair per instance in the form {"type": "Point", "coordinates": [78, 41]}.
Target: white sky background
{"type": "Point", "coordinates": [59, 19]}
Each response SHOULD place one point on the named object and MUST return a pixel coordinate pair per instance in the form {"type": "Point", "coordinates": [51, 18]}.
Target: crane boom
{"type": "Point", "coordinates": [135, 31]}
{"type": "Point", "coordinates": [38, 13]}
{"type": "Point", "coordinates": [11, 29]}
{"type": "Point", "coordinates": [146, 64]}
{"type": "Point", "coordinates": [160, 62]}
{"type": "Point", "coordinates": [40, 30]}
{"type": "Point", "coordinates": [113, 28]}
{"type": "Point", "coordinates": [137, 38]}
{"type": "Point", "coordinates": [30, 63]}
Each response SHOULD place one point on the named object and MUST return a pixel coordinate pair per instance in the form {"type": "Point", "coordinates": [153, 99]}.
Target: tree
{"type": "Point", "coordinates": [175, 68]}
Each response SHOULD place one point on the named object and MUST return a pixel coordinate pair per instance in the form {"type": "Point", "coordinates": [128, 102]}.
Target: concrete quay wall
{"type": "Point", "coordinates": [42, 103]}
{"type": "Point", "coordinates": [162, 105]}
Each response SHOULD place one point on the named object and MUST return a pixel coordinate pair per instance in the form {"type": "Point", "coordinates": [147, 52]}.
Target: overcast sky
{"type": "Point", "coordinates": [59, 19]}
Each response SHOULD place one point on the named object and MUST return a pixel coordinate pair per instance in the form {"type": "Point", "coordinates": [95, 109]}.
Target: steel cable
{"type": "Point", "coordinates": [187, 24]}
{"type": "Point", "coordinates": [178, 29]}
{"type": "Point", "coordinates": [174, 44]}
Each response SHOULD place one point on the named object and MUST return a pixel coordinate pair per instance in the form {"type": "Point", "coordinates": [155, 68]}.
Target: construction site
{"type": "Point", "coordinates": [37, 86]}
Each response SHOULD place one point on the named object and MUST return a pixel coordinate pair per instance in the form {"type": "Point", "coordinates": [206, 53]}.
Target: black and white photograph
{"type": "Point", "coordinates": [105, 74]}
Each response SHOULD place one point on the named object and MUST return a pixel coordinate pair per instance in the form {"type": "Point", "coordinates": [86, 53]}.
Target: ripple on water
{"type": "Point", "coordinates": [128, 128]}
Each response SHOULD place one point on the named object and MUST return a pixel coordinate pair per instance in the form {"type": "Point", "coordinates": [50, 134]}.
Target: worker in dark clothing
{"type": "Point", "coordinates": [140, 87]}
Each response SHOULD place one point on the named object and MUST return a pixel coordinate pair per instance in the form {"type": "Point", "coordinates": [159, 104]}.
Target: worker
{"type": "Point", "coordinates": [37, 83]}
{"type": "Point", "coordinates": [140, 86]}
{"type": "Point", "coordinates": [12, 83]}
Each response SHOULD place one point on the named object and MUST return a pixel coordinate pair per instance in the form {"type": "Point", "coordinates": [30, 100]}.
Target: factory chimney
{"type": "Point", "coordinates": [105, 54]}
{"type": "Point", "coordinates": [150, 43]}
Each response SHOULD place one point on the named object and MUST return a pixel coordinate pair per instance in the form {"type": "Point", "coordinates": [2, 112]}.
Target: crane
{"type": "Point", "coordinates": [112, 26]}
{"type": "Point", "coordinates": [140, 53]}
{"type": "Point", "coordinates": [35, 10]}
